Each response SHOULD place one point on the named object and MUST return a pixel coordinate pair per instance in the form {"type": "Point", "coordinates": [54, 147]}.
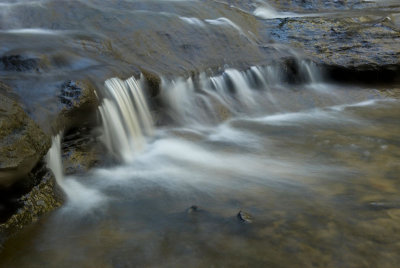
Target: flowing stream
{"type": "Point", "coordinates": [308, 162]}
{"type": "Point", "coordinates": [315, 164]}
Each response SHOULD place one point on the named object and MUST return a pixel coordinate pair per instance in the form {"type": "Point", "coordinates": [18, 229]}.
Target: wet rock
{"type": "Point", "coordinates": [153, 82]}
{"type": "Point", "coordinates": [356, 46]}
{"type": "Point", "coordinates": [193, 209]}
{"type": "Point", "coordinates": [22, 142]}
{"type": "Point", "coordinates": [41, 199]}
{"type": "Point", "coordinates": [79, 104]}
{"type": "Point", "coordinates": [82, 150]}
{"type": "Point", "coordinates": [244, 217]}
{"type": "Point", "coordinates": [77, 95]}
{"type": "Point", "coordinates": [18, 63]}
{"type": "Point", "coordinates": [367, 74]}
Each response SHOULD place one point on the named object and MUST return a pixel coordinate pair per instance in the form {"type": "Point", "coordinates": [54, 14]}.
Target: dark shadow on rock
{"type": "Point", "coordinates": [18, 63]}
{"type": "Point", "coordinates": [363, 75]}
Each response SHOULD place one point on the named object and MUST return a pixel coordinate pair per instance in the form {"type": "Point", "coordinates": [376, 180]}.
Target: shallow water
{"type": "Point", "coordinates": [321, 183]}
{"type": "Point", "coordinates": [316, 165]}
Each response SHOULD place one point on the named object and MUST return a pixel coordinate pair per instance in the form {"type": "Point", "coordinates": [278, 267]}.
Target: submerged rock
{"type": "Point", "coordinates": [19, 63]}
{"type": "Point", "coordinates": [77, 96]}
{"type": "Point", "coordinates": [22, 142]}
{"type": "Point", "coordinates": [193, 209]}
{"type": "Point", "coordinates": [244, 217]}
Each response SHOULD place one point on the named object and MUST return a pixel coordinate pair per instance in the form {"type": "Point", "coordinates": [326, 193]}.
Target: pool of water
{"type": "Point", "coordinates": [319, 182]}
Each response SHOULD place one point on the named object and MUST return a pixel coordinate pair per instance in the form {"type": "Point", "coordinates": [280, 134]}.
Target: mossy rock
{"type": "Point", "coordinates": [22, 142]}
{"type": "Point", "coordinates": [79, 104]}
{"type": "Point", "coordinates": [153, 82]}
{"type": "Point", "coordinates": [43, 198]}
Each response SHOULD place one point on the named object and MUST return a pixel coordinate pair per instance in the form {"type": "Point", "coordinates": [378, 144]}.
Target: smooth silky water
{"type": "Point", "coordinates": [315, 165]}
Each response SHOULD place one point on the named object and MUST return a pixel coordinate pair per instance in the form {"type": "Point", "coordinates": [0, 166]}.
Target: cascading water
{"type": "Point", "coordinates": [252, 140]}
{"type": "Point", "coordinates": [78, 195]}
{"type": "Point", "coordinates": [315, 164]}
{"type": "Point", "coordinates": [126, 117]}
{"type": "Point", "coordinates": [54, 161]}
{"type": "Point", "coordinates": [203, 100]}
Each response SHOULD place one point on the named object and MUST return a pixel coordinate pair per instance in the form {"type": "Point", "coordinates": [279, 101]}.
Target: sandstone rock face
{"type": "Point", "coordinates": [22, 142]}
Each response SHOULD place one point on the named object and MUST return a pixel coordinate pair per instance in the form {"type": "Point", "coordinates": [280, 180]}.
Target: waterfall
{"type": "Point", "coordinates": [194, 101]}
{"type": "Point", "coordinates": [53, 159]}
{"type": "Point", "coordinates": [126, 117]}
{"type": "Point", "coordinates": [80, 198]}
{"type": "Point", "coordinates": [206, 100]}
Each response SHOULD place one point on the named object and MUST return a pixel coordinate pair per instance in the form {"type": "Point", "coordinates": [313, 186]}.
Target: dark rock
{"type": "Point", "coordinates": [153, 82]}
{"type": "Point", "coordinates": [22, 142]}
{"type": "Point", "coordinates": [244, 217]}
{"type": "Point", "coordinates": [70, 94]}
{"type": "Point", "coordinates": [39, 200]}
{"type": "Point", "coordinates": [193, 209]}
{"type": "Point", "coordinates": [368, 74]}
{"type": "Point", "coordinates": [17, 63]}
{"type": "Point", "coordinates": [79, 104]}
{"type": "Point", "coordinates": [77, 95]}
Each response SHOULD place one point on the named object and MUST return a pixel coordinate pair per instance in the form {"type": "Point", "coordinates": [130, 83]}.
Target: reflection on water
{"type": "Point", "coordinates": [321, 183]}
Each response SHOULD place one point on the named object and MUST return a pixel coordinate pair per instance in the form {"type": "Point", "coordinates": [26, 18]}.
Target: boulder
{"type": "Point", "coordinates": [22, 142]}
{"type": "Point", "coordinates": [79, 104]}
{"type": "Point", "coordinates": [41, 199]}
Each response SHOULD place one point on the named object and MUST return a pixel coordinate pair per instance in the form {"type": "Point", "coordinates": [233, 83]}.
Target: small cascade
{"type": "Point", "coordinates": [80, 198]}
{"type": "Point", "coordinates": [53, 159]}
{"type": "Point", "coordinates": [126, 117]}
{"type": "Point", "coordinates": [203, 100]}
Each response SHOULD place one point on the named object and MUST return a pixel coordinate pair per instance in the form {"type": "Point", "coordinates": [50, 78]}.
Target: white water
{"type": "Point", "coordinates": [194, 21]}
{"type": "Point", "coordinates": [53, 159]}
{"type": "Point", "coordinates": [266, 11]}
{"type": "Point", "coordinates": [34, 31]}
{"type": "Point", "coordinates": [80, 198]}
{"type": "Point", "coordinates": [126, 117]}
{"type": "Point", "coordinates": [211, 116]}
{"type": "Point", "coordinates": [209, 100]}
